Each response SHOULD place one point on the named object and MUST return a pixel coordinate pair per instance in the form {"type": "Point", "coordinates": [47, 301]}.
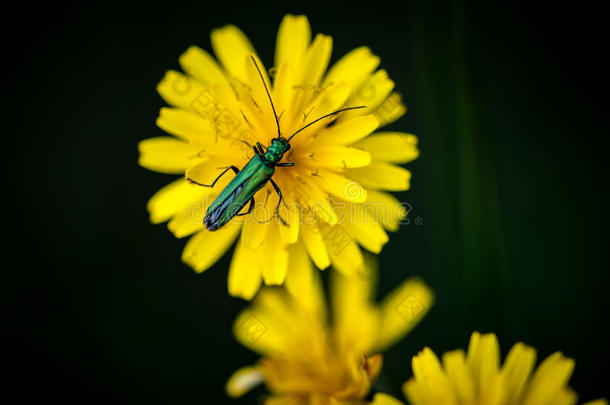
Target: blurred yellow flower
{"type": "Point", "coordinates": [476, 377]}
{"type": "Point", "coordinates": [308, 360]}
{"type": "Point", "coordinates": [335, 194]}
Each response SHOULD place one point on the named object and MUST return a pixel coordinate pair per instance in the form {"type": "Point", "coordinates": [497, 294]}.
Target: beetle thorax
{"type": "Point", "coordinates": [276, 150]}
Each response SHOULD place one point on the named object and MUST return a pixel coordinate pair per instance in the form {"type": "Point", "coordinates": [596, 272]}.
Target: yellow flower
{"type": "Point", "coordinates": [335, 194]}
{"type": "Point", "coordinates": [307, 360]}
{"type": "Point", "coordinates": [476, 378]}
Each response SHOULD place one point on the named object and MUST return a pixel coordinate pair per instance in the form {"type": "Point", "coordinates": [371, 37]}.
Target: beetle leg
{"type": "Point", "coordinates": [234, 168]}
{"type": "Point", "coordinates": [265, 204]}
{"type": "Point", "coordinates": [250, 208]}
{"type": "Point", "coordinates": [277, 207]}
{"type": "Point", "coordinates": [287, 164]}
{"type": "Point", "coordinates": [260, 148]}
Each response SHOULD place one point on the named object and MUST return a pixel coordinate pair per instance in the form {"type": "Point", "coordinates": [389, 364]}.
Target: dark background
{"type": "Point", "coordinates": [507, 101]}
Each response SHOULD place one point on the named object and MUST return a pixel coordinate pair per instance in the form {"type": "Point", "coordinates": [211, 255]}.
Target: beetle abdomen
{"type": "Point", "coordinates": [238, 193]}
{"type": "Point", "coordinates": [225, 211]}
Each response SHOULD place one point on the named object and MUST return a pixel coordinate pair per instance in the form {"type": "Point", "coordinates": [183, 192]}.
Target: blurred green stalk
{"type": "Point", "coordinates": [467, 238]}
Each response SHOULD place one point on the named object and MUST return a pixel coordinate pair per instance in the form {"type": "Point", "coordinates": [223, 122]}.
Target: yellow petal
{"type": "Point", "coordinates": [474, 354]}
{"type": "Point", "coordinates": [229, 122]}
{"type": "Point", "coordinates": [565, 397]}
{"type": "Point", "coordinates": [267, 326]}
{"type": "Point", "coordinates": [244, 273]}
{"type": "Point", "coordinates": [207, 172]}
{"type": "Point", "coordinates": [289, 233]}
{"type": "Point", "coordinates": [484, 362]}
{"type": "Point", "coordinates": [371, 93]}
{"type": "Point", "coordinates": [188, 221]}
{"type": "Point", "coordinates": [355, 318]}
{"type": "Point", "coordinates": [255, 227]}
{"type": "Point", "coordinates": [382, 176]}
{"type": "Point", "coordinates": [283, 94]}
{"type": "Point", "coordinates": [516, 371]}
{"type": "Point", "coordinates": [201, 65]}
{"type": "Point", "coordinates": [293, 40]}
{"type": "Point", "coordinates": [330, 100]}
{"type": "Point", "coordinates": [402, 310]}
{"type": "Point", "coordinates": [186, 92]}
{"type": "Point", "coordinates": [486, 354]}
{"type": "Point", "coordinates": [314, 202]}
{"type": "Point", "coordinates": [348, 131]}
{"type": "Point", "coordinates": [597, 402]}
{"type": "Point", "coordinates": [185, 124]}
{"type": "Point", "coordinates": [167, 155]}
{"type": "Point", "coordinates": [391, 109]}
{"type": "Point", "coordinates": [340, 186]}
{"type": "Point", "coordinates": [362, 225]}
{"type": "Point", "coordinates": [314, 244]}
{"type": "Point", "coordinates": [243, 380]}
{"type": "Point", "coordinates": [311, 299]}
{"type": "Point", "coordinates": [339, 157]}
{"type": "Point", "coordinates": [315, 62]}
{"type": "Point", "coordinates": [549, 379]}
{"type": "Point", "coordinates": [385, 399]}
{"type": "Point", "coordinates": [172, 198]}
{"type": "Point", "coordinates": [434, 383]}
{"type": "Point", "coordinates": [387, 210]}
{"type": "Point", "coordinates": [416, 393]}
{"type": "Point", "coordinates": [461, 380]}
{"type": "Point", "coordinates": [251, 331]}
{"type": "Point", "coordinates": [232, 48]}
{"type": "Point", "coordinates": [343, 251]}
{"type": "Point", "coordinates": [288, 399]}
{"type": "Point", "coordinates": [275, 263]}
{"type": "Point", "coordinates": [261, 115]}
{"type": "Point", "coordinates": [353, 68]}
{"type": "Point", "coordinates": [391, 147]}
{"type": "Point", "coordinates": [204, 133]}
{"type": "Point", "coordinates": [300, 272]}
{"type": "Point", "coordinates": [205, 248]}
{"type": "Point", "coordinates": [200, 132]}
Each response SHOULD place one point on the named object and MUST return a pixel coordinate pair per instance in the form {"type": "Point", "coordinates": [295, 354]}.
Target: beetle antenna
{"type": "Point", "coordinates": [277, 121]}
{"type": "Point", "coordinates": [325, 116]}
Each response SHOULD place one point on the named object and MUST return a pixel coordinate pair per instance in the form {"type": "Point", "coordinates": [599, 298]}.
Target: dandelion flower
{"type": "Point", "coordinates": [476, 377]}
{"type": "Point", "coordinates": [336, 194]}
{"type": "Point", "coordinates": [305, 359]}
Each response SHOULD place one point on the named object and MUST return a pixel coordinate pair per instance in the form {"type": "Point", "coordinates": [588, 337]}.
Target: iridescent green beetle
{"type": "Point", "coordinates": [254, 176]}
